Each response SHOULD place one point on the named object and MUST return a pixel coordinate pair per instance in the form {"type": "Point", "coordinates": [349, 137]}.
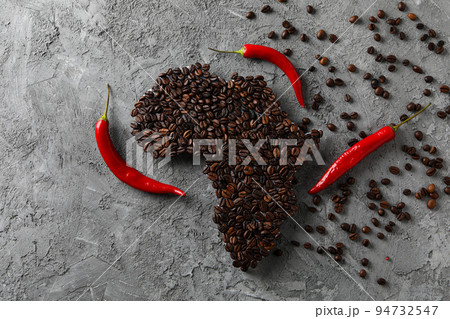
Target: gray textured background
{"type": "Point", "coordinates": [65, 219]}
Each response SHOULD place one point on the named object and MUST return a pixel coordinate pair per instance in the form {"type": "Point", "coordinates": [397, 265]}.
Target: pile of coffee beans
{"type": "Point", "coordinates": [253, 200]}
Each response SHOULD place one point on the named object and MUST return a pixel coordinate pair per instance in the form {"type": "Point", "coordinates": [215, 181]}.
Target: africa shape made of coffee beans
{"type": "Point", "coordinates": [253, 200]}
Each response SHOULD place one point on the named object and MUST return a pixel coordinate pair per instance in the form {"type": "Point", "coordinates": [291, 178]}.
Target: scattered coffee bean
{"type": "Point", "coordinates": [312, 68]}
{"type": "Point", "coordinates": [331, 127]}
{"type": "Point", "coordinates": [367, 76]}
{"type": "Point", "coordinates": [428, 79]}
{"type": "Point", "coordinates": [386, 94]}
{"type": "Point", "coordinates": [431, 204]}
{"type": "Point", "coordinates": [323, 61]}
{"type": "Point", "coordinates": [286, 24]}
{"type": "Point", "coordinates": [394, 170]}
{"type": "Point", "coordinates": [402, 36]}
{"type": "Point", "coordinates": [350, 126]}
{"type": "Point", "coordinates": [351, 67]}
{"type": "Point", "coordinates": [405, 62]}
{"type": "Point", "coordinates": [353, 19]}
{"type": "Point", "coordinates": [408, 166]}
{"type": "Point", "coordinates": [444, 89]}
{"type": "Point", "coordinates": [424, 37]}
{"type": "Point", "coordinates": [250, 15]}
{"type": "Point", "coordinates": [303, 37]}
{"type": "Point", "coordinates": [271, 34]}
{"type": "Point", "coordinates": [285, 34]}
{"type": "Point", "coordinates": [380, 235]}
{"type": "Point", "coordinates": [330, 82]}
{"type": "Point", "coordinates": [309, 9]}
{"type": "Point", "coordinates": [366, 229]}
{"type": "Point", "coordinates": [388, 228]}
{"type": "Point", "coordinates": [372, 27]}
{"type": "Point", "coordinates": [352, 142]}
{"type": "Point", "coordinates": [366, 243]}
{"type": "Point", "coordinates": [362, 134]}
{"type": "Point", "coordinates": [331, 69]}
{"type": "Point", "coordinates": [362, 273]}
{"type": "Point", "coordinates": [382, 281]}
{"type": "Point", "coordinates": [295, 243]}
{"type": "Point", "coordinates": [347, 98]}
{"type": "Point", "coordinates": [392, 30]}
{"type": "Point", "coordinates": [418, 135]}
{"type": "Point", "coordinates": [321, 35]}
{"type": "Point", "coordinates": [381, 212]}
{"type": "Point", "coordinates": [381, 14]}
{"type": "Point", "coordinates": [391, 68]}
{"type": "Point", "coordinates": [432, 33]}
{"type": "Point", "coordinates": [406, 192]}
{"type": "Point", "coordinates": [420, 26]}
{"type": "Point", "coordinates": [417, 69]}
{"type": "Point", "coordinates": [447, 190]}
{"type": "Point", "coordinates": [308, 228]}
{"type": "Point", "coordinates": [354, 115]}
{"type": "Point", "coordinates": [401, 6]}
{"type": "Point", "coordinates": [345, 226]}
{"type": "Point", "coordinates": [441, 114]}
{"type": "Point", "coordinates": [379, 91]}
{"type": "Point", "coordinates": [431, 171]}
{"type": "Point", "coordinates": [333, 38]}
{"type": "Point", "coordinates": [379, 58]}
{"type": "Point", "coordinates": [439, 50]}
{"type": "Point", "coordinates": [431, 46]}
{"type": "Point", "coordinates": [412, 16]}
{"type": "Point", "coordinates": [287, 52]}
{"type": "Point", "coordinates": [307, 245]}
{"type": "Point", "coordinates": [321, 230]}
{"type": "Point", "coordinates": [403, 117]}
{"type": "Point", "coordinates": [266, 8]}
{"type": "Point", "coordinates": [353, 236]}
{"type": "Point", "coordinates": [377, 37]}
{"type": "Point", "coordinates": [317, 199]}
{"type": "Point", "coordinates": [372, 206]}
{"type": "Point", "coordinates": [426, 92]}
{"type": "Point", "coordinates": [375, 222]}
{"type": "Point", "coordinates": [331, 216]}
{"type": "Point", "coordinates": [339, 82]}
{"type": "Point", "coordinates": [338, 258]}
{"type": "Point", "coordinates": [385, 181]}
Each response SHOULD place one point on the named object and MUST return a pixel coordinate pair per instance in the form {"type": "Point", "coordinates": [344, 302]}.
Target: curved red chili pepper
{"type": "Point", "coordinates": [254, 51]}
{"type": "Point", "coordinates": [119, 167]}
{"type": "Point", "coordinates": [358, 152]}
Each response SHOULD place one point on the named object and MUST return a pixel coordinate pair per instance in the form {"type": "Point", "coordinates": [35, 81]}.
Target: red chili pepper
{"type": "Point", "coordinates": [119, 167]}
{"type": "Point", "coordinates": [253, 51]}
{"type": "Point", "coordinates": [358, 152]}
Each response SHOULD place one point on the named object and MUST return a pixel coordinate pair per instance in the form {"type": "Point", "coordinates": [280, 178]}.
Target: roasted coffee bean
{"type": "Point", "coordinates": [447, 190]}
{"type": "Point", "coordinates": [353, 19]}
{"type": "Point", "coordinates": [292, 30]}
{"type": "Point", "coordinates": [444, 89]}
{"type": "Point", "coordinates": [440, 43]}
{"type": "Point", "coordinates": [307, 245]}
{"type": "Point", "coordinates": [405, 62]}
{"type": "Point", "coordinates": [381, 212]}
{"type": "Point", "coordinates": [432, 33]}
{"type": "Point", "coordinates": [431, 46]}
{"type": "Point", "coordinates": [339, 82]}
{"type": "Point", "coordinates": [439, 50]}
{"type": "Point", "coordinates": [392, 30]}
{"type": "Point", "coordinates": [390, 21]}
{"type": "Point", "coordinates": [250, 15]}
{"type": "Point", "coordinates": [345, 226]}
{"type": "Point", "coordinates": [441, 114]}
{"type": "Point", "coordinates": [428, 79]}
{"type": "Point", "coordinates": [331, 127]}
{"type": "Point", "coordinates": [379, 91]}
{"type": "Point", "coordinates": [365, 262]}
{"type": "Point", "coordinates": [352, 228]}
{"type": "Point", "coordinates": [347, 98]}
{"type": "Point", "coordinates": [431, 204]}
{"type": "Point", "coordinates": [266, 8]}
{"type": "Point", "coordinates": [382, 281]}
{"type": "Point", "coordinates": [337, 258]}
{"type": "Point", "coordinates": [331, 216]}
{"type": "Point", "coordinates": [286, 24]}
{"type": "Point", "coordinates": [332, 250]}
{"type": "Point", "coordinates": [321, 35]}
{"type": "Point", "coordinates": [391, 58]}
{"type": "Point", "coordinates": [384, 204]}
{"type": "Point", "coordinates": [417, 69]}
{"type": "Point", "coordinates": [394, 170]}
{"type": "Point", "coordinates": [308, 228]}
{"type": "Point", "coordinates": [406, 192]}
{"type": "Point", "coordinates": [408, 166]}
{"type": "Point", "coordinates": [372, 183]}
{"type": "Point", "coordinates": [351, 67]}
{"type": "Point", "coordinates": [312, 68]}
{"type": "Point", "coordinates": [377, 37]}
{"type": "Point", "coordinates": [318, 98]}
{"type": "Point", "coordinates": [354, 115]}
{"type": "Point", "coordinates": [402, 36]}
{"type": "Point", "coordinates": [366, 243]}
{"type": "Point", "coordinates": [309, 9]}
{"type": "Point", "coordinates": [331, 69]}
{"type": "Point", "coordinates": [367, 76]}
{"type": "Point", "coordinates": [353, 236]}
{"type": "Point", "coordinates": [323, 61]}
{"type": "Point", "coordinates": [381, 14]}
{"type": "Point", "coordinates": [385, 181]}
{"type": "Point", "coordinates": [388, 228]}
{"type": "Point", "coordinates": [380, 235]}
{"type": "Point", "coordinates": [386, 94]}
{"type": "Point", "coordinates": [401, 6]}
{"type": "Point", "coordinates": [303, 37]}
{"type": "Point", "coordinates": [412, 16]}
{"type": "Point", "coordinates": [391, 68]}
{"type": "Point", "coordinates": [372, 206]}
{"type": "Point", "coordinates": [366, 229]}
{"type": "Point", "coordinates": [418, 135]}
{"type": "Point", "coordinates": [330, 83]}
{"type": "Point", "coordinates": [372, 27]}
{"type": "Point", "coordinates": [424, 37]}
{"type": "Point", "coordinates": [431, 171]}
{"type": "Point", "coordinates": [352, 142]}
{"type": "Point", "coordinates": [285, 34]}
{"type": "Point", "coordinates": [271, 34]}
{"type": "Point", "coordinates": [420, 26]}
{"type": "Point", "coordinates": [333, 38]}
{"type": "Point", "coordinates": [350, 126]}
{"type": "Point", "coordinates": [362, 134]}
{"type": "Point", "coordinates": [287, 52]}
{"type": "Point", "coordinates": [371, 50]}
{"type": "Point", "coordinates": [317, 199]}
{"type": "Point", "coordinates": [379, 58]}
{"type": "Point", "coordinates": [362, 273]}
{"type": "Point", "coordinates": [339, 246]}
{"type": "Point", "coordinates": [375, 222]}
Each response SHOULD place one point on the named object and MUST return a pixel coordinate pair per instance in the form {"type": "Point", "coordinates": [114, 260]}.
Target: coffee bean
{"type": "Point", "coordinates": [426, 92]}
{"type": "Point", "coordinates": [431, 204]}
{"type": "Point", "coordinates": [295, 243]}
{"type": "Point", "coordinates": [317, 199]}
{"type": "Point", "coordinates": [333, 38]}
{"type": "Point", "coordinates": [379, 91]}
{"type": "Point", "coordinates": [402, 36]}
{"type": "Point", "coordinates": [385, 181]}
{"type": "Point", "coordinates": [287, 52]}
{"type": "Point", "coordinates": [372, 206]}
{"type": "Point", "coordinates": [309, 9]}
{"type": "Point", "coordinates": [353, 236]}
{"type": "Point", "coordinates": [382, 281]}
{"type": "Point", "coordinates": [366, 229]}
{"type": "Point", "coordinates": [417, 69]}
{"type": "Point", "coordinates": [372, 27]}
{"type": "Point", "coordinates": [331, 127]}
{"type": "Point", "coordinates": [351, 67]}
{"type": "Point", "coordinates": [362, 273]}
{"type": "Point", "coordinates": [330, 82]}
{"type": "Point", "coordinates": [384, 204]}
{"type": "Point", "coordinates": [418, 135]}
{"type": "Point", "coordinates": [431, 188]}
{"type": "Point", "coordinates": [331, 216]}
{"type": "Point", "coordinates": [375, 222]}
{"type": "Point", "coordinates": [391, 68]}
{"type": "Point", "coordinates": [367, 76]}
{"type": "Point", "coordinates": [379, 58]}
{"type": "Point", "coordinates": [362, 134]}
{"type": "Point", "coordinates": [266, 8]}
{"type": "Point", "coordinates": [431, 171]}
{"type": "Point", "coordinates": [371, 50]}
{"type": "Point", "coordinates": [382, 79]}
{"type": "Point", "coordinates": [250, 15]}
{"type": "Point", "coordinates": [428, 79]}
{"type": "Point", "coordinates": [407, 192]}
{"type": "Point", "coordinates": [408, 166]}
{"type": "Point", "coordinates": [352, 142]}
{"type": "Point", "coordinates": [381, 14]}
{"type": "Point", "coordinates": [323, 61]}
{"type": "Point", "coordinates": [345, 226]}
{"type": "Point", "coordinates": [339, 82]}
{"type": "Point", "coordinates": [353, 19]}
{"type": "Point", "coordinates": [390, 21]}
{"type": "Point", "coordinates": [366, 243]}
{"type": "Point", "coordinates": [312, 68]}
{"type": "Point", "coordinates": [394, 170]}
{"type": "Point", "coordinates": [332, 250]}
{"type": "Point", "coordinates": [350, 126]}
{"type": "Point", "coordinates": [285, 34]}
{"type": "Point", "coordinates": [351, 180]}
{"type": "Point", "coordinates": [381, 212]}
{"type": "Point", "coordinates": [307, 245]}
{"type": "Point", "coordinates": [431, 46]}
{"type": "Point", "coordinates": [286, 24]}
{"type": "Point", "coordinates": [303, 37]}
{"type": "Point", "coordinates": [377, 37]}
{"type": "Point", "coordinates": [392, 30]}
{"type": "Point", "coordinates": [271, 34]}
{"type": "Point", "coordinates": [292, 30]}
{"type": "Point", "coordinates": [439, 50]}
{"type": "Point", "coordinates": [405, 62]}
{"type": "Point", "coordinates": [446, 180]}
{"type": "Point", "coordinates": [412, 16]}
{"type": "Point", "coordinates": [444, 89]}
{"type": "Point", "coordinates": [386, 94]}
{"type": "Point", "coordinates": [321, 35]}
{"type": "Point", "coordinates": [347, 98]}
{"type": "Point", "coordinates": [365, 262]}
{"type": "Point", "coordinates": [432, 33]}
{"type": "Point", "coordinates": [401, 6]}
{"type": "Point", "coordinates": [447, 190]}
{"type": "Point", "coordinates": [424, 37]}
{"type": "Point", "coordinates": [420, 26]}
{"type": "Point", "coordinates": [337, 258]}
{"type": "Point", "coordinates": [441, 114]}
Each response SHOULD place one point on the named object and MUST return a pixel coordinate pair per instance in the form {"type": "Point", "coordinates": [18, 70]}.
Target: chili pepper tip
{"type": "Point", "coordinates": [104, 117]}
{"type": "Point", "coordinates": [179, 192]}
{"type": "Point", "coordinates": [240, 51]}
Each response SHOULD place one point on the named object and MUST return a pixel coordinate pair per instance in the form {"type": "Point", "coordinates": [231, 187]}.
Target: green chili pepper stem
{"type": "Point", "coordinates": [395, 127]}
{"type": "Point", "coordinates": [240, 51]}
{"type": "Point", "coordinates": [104, 116]}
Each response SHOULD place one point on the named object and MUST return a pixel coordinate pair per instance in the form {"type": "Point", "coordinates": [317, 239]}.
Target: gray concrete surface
{"type": "Point", "coordinates": [70, 230]}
